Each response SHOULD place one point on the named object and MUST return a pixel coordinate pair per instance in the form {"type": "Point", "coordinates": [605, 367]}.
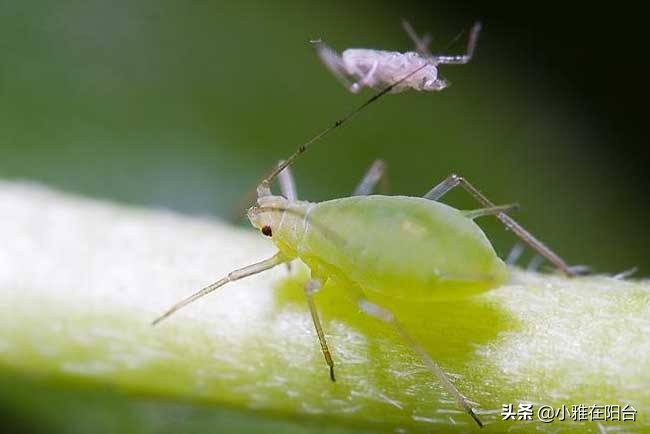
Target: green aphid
{"type": "Point", "coordinates": [394, 246]}
{"type": "Point", "coordinates": [406, 247]}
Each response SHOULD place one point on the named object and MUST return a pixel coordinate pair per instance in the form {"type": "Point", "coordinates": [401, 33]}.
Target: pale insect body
{"type": "Point", "coordinates": [377, 69]}
{"type": "Point", "coordinates": [357, 68]}
{"type": "Point", "coordinates": [406, 247]}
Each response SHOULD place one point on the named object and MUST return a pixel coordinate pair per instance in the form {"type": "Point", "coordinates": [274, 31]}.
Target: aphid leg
{"type": "Point", "coordinates": [493, 210]}
{"type": "Point", "coordinates": [454, 180]}
{"type": "Point", "coordinates": [421, 44]}
{"type": "Point", "coordinates": [515, 254]}
{"type": "Point", "coordinates": [625, 274]}
{"type": "Point", "coordinates": [601, 428]}
{"type": "Point", "coordinates": [373, 175]}
{"type": "Point", "coordinates": [388, 317]}
{"type": "Point", "coordinates": [366, 79]}
{"type": "Point", "coordinates": [249, 270]}
{"type": "Point", "coordinates": [534, 263]}
{"type": "Point", "coordinates": [580, 270]}
{"type": "Point", "coordinates": [332, 60]}
{"type": "Point", "coordinates": [463, 58]}
{"type": "Point", "coordinates": [263, 189]}
{"type": "Point", "coordinates": [312, 286]}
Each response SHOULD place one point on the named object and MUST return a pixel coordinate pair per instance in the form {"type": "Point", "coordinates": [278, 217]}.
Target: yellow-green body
{"type": "Point", "coordinates": [393, 245]}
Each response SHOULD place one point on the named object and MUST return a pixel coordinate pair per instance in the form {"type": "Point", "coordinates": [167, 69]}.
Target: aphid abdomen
{"type": "Point", "coordinates": [401, 246]}
{"type": "Point", "coordinates": [391, 67]}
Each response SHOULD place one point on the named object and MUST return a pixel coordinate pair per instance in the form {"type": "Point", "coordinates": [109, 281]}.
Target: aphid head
{"type": "Point", "coordinates": [281, 220]}
{"type": "Point", "coordinates": [434, 84]}
{"type": "Point", "coordinates": [268, 215]}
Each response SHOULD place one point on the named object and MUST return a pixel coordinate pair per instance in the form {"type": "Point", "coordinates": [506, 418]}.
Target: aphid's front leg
{"type": "Point", "coordinates": [241, 273]}
{"type": "Point", "coordinates": [387, 316]}
{"type": "Point", "coordinates": [454, 180]}
{"type": "Point", "coordinates": [311, 287]}
{"type": "Point", "coordinates": [375, 173]}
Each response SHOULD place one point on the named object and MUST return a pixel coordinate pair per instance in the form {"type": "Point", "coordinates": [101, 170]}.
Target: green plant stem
{"type": "Point", "coordinates": [81, 280]}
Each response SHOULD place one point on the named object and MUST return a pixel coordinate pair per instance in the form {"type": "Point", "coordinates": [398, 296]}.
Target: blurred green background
{"type": "Point", "coordinates": [184, 105]}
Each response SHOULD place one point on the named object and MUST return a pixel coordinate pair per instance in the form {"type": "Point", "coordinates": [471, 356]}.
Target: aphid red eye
{"type": "Point", "coordinates": [266, 230]}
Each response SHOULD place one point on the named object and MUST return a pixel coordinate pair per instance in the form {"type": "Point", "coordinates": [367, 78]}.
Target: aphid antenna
{"type": "Point", "coordinates": [263, 188]}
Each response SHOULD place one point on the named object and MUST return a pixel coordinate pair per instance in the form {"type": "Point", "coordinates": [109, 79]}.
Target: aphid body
{"type": "Point", "coordinates": [357, 68]}
{"type": "Point", "coordinates": [406, 247]}
{"type": "Point", "coordinates": [378, 69]}
{"type": "Point", "coordinates": [414, 248]}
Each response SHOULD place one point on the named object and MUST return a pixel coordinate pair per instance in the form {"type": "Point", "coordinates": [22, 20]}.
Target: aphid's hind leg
{"type": "Point", "coordinates": [240, 273]}
{"type": "Point", "coordinates": [387, 316]}
{"type": "Point", "coordinates": [375, 173]}
{"type": "Point", "coordinates": [454, 180]}
{"type": "Point", "coordinates": [312, 286]}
